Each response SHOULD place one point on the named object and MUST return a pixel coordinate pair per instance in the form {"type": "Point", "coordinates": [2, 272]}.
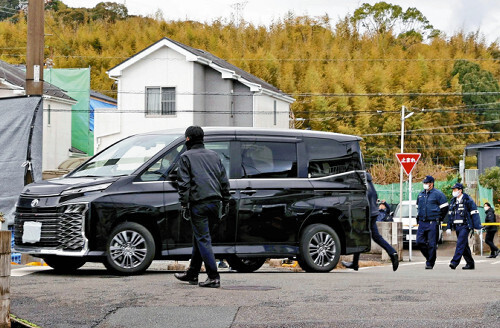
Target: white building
{"type": "Point", "coordinates": [171, 85]}
{"type": "Point", "coordinates": [56, 114]}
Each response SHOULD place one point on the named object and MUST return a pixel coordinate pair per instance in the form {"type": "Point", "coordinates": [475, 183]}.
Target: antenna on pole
{"type": "Point", "coordinates": [238, 7]}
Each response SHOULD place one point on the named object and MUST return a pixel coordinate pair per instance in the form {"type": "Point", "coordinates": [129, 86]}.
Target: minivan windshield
{"type": "Point", "coordinates": [124, 157]}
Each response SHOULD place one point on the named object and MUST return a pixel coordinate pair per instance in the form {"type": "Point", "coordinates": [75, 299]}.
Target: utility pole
{"type": "Point", "coordinates": [35, 47]}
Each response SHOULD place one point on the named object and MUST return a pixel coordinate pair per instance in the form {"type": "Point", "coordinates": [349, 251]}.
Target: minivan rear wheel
{"type": "Point", "coordinates": [319, 248]}
{"type": "Point", "coordinates": [130, 249]}
{"type": "Point", "coordinates": [245, 265]}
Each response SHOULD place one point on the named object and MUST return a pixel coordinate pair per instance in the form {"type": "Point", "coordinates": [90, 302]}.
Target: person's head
{"type": "Point", "coordinates": [428, 182]}
{"type": "Point", "coordinates": [194, 135]}
{"type": "Point", "coordinates": [458, 189]}
{"type": "Point", "coordinates": [382, 207]}
{"type": "Point", "coordinates": [486, 206]}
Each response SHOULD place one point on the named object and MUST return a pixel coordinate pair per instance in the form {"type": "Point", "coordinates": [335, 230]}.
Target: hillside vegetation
{"type": "Point", "coordinates": [346, 76]}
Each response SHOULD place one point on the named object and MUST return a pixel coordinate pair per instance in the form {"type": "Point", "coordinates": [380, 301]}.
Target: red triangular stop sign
{"type": "Point", "coordinates": [408, 160]}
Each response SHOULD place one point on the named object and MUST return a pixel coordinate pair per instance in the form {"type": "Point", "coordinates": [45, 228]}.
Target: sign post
{"type": "Point", "coordinates": [408, 161]}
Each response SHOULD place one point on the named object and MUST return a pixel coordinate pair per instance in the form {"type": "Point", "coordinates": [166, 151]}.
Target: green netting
{"type": "Point", "coordinates": [76, 83]}
{"type": "Point", "coordinates": [390, 193]}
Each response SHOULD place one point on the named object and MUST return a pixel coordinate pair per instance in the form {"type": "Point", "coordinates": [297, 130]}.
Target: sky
{"type": "Point", "coordinates": [448, 16]}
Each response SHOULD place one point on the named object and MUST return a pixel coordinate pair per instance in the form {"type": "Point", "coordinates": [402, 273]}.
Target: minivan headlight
{"type": "Point", "coordinates": [99, 187]}
{"type": "Point", "coordinates": [75, 208]}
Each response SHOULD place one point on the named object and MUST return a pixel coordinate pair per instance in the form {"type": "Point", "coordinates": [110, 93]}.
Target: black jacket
{"type": "Point", "coordinates": [201, 176]}
{"type": "Point", "coordinates": [490, 218]}
{"type": "Point", "coordinates": [372, 197]}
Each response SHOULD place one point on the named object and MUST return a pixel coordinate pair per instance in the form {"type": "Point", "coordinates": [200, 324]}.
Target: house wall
{"type": "Point", "coordinates": [264, 112]}
{"type": "Point", "coordinates": [487, 158]}
{"type": "Point", "coordinates": [163, 68]}
{"type": "Point", "coordinates": [56, 133]}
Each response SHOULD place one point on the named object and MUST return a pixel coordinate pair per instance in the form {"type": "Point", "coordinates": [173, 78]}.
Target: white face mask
{"type": "Point", "coordinates": [455, 193]}
{"type": "Point", "coordinates": [426, 186]}
{"type": "Point", "coordinates": [486, 208]}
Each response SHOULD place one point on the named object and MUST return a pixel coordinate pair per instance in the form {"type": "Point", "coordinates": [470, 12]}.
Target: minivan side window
{"type": "Point", "coordinates": [222, 149]}
{"type": "Point", "coordinates": [264, 159]}
{"type": "Point", "coordinates": [329, 157]}
{"type": "Point", "coordinates": [159, 170]}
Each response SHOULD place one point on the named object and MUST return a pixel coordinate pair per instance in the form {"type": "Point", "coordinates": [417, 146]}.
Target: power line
{"type": "Point", "coordinates": [434, 128]}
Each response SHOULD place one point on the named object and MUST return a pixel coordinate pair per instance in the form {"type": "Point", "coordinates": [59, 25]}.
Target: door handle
{"type": "Point", "coordinates": [232, 192]}
{"type": "Point", "coordinates": [248, 191]}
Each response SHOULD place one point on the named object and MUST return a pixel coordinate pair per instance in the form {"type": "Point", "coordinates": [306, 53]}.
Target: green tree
{"type": "Point", "coordinates": [383, 17]}
{"type": "Point", "coordinates": [109, 10]}
{"type": "Point", "coordinates": [8, 8]}
{"type": "Point", "coordinates": [491, 179]}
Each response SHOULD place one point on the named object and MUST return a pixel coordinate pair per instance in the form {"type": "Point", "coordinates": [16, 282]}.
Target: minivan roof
{"type": "Point", "coordinates": [266, 132]}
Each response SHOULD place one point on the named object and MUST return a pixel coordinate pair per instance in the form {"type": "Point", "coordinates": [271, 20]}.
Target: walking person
{"type": "Point", "coordinates": [490, 231]}
{"type": "Point", "coordinates": [463, 218]}
{"type": "Point", "coordinates": [432, 206]}
{"type": "Point", "coordinates": [203, 189]}
{"type": "Point", "coordinates": [374, 213]}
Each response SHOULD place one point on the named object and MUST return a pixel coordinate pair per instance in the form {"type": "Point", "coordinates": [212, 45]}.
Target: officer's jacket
{"type": "Point", "coordinates": [465, 210]}
{"type": "Point", "coordinates": [490, 218]}
{"type": "Point", "coordinates": [201, 176]}
{"type": "Point", "coordinates": [432, 205]}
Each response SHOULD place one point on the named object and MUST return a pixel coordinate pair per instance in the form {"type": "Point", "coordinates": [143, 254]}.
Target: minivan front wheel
{"type": "Point", "coordinates": [319, 248]}
{"type": "Point", "coordinates": [130, 249]}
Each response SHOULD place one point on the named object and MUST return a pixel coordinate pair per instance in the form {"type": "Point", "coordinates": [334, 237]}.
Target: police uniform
{"type": "Point", "coordinates": [432, 206]}
{"type": "Point", "coordinates": [463, 217]}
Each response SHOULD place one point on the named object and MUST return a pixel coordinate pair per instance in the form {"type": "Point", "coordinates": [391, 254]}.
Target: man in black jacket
{"type": "Point", "coordinates": [372, 202]}
{"type": "Point", "coordinates": [491, 230]}
{"type": "Point", "coordinates": [203, 189]}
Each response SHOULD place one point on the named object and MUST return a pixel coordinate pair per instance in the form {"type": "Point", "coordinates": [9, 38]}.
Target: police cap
{"type": "Point", "coordinates": [429, 179]}
{"type": "Point", "coordinates": [458, 186]}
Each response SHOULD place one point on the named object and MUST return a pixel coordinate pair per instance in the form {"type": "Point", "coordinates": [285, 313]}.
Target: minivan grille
{"type": "Point", "coordinates": [62, 231]}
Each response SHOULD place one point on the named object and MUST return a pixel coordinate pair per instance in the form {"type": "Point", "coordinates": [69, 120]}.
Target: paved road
{"type": "Point", "coordinates": [371, 297]}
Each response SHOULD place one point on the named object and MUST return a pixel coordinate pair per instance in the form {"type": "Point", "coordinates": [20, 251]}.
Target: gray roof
{"type": "Point", "coordinates": [473, 149]}
{"type": "Point", "coordinates": [100, 96]}
{"type": "Point", "coordinates": [17, 76]}
{"type": "Point", "coordinates": [220, 62]}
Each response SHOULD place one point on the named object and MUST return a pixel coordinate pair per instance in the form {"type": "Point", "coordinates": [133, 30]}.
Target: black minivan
{"type": "Point", "coordinates": [294, 194]}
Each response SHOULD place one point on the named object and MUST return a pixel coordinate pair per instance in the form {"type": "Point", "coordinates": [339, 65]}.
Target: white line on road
{"type": "Point", "coordinates": [495, 262]}
{"type": "Point", "coordinates": [27, 270]}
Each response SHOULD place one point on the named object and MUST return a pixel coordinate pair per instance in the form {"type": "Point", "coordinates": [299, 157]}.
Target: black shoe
{"type": "Point", "coordinates": [492, 255]}
{"type": "Point", "coordinates": [211, 283]}
{"type": "Point", "coordinates": [193, 280]}
{"type": "Point", "coordinates": [428, 267]}
{"type": "Point", "coordinates": [350, 265]}
{"type": "Point", "coordinates": [395, 261]}
{"type": "Point", "coordinates": [468, 267]}
{"type": "Point", "coordinates": [453, 266]}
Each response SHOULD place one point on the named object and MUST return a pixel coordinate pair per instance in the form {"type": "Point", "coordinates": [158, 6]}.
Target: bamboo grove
{"type": "Point", "coordinates": [345, 79]}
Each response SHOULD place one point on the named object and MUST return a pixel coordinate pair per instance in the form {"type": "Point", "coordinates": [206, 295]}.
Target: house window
{"type": "Point", "coordinates": [160, 101]}
{"type": "Point", "coordinates": [275, 112]}
{"type": "Point", "coordinates": [48, 115]}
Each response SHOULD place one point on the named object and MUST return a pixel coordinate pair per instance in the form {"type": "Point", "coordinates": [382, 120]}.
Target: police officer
{"type": "Point", "coordinates": [374, 212]}
{"type": "Point", "coordinates": [463, 218]}
{"type": "Point", "coordinates": [432, 207]}
{"type": "Point", "coordinates": [490, 231]}
{"type": "Point", "coordinates": [203, 185]}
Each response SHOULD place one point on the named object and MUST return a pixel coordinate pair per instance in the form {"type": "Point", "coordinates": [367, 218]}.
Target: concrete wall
{"type": "Point", "coordinates": [392, 232]}
{"type": "Point", "coordinates": [487, 158]}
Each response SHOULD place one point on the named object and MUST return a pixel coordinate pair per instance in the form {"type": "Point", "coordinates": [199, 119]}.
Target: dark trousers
{"type": "Point", "coordinates": [376, 238]}
{"type": "Point", "coordinates": [203, 216]}
{"type": "Point", "coordinates": [462, 246]}
{"type": "Point", "coordinates": [490, 235]}
{"type": "Point", "coordinates": [427, 238]}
